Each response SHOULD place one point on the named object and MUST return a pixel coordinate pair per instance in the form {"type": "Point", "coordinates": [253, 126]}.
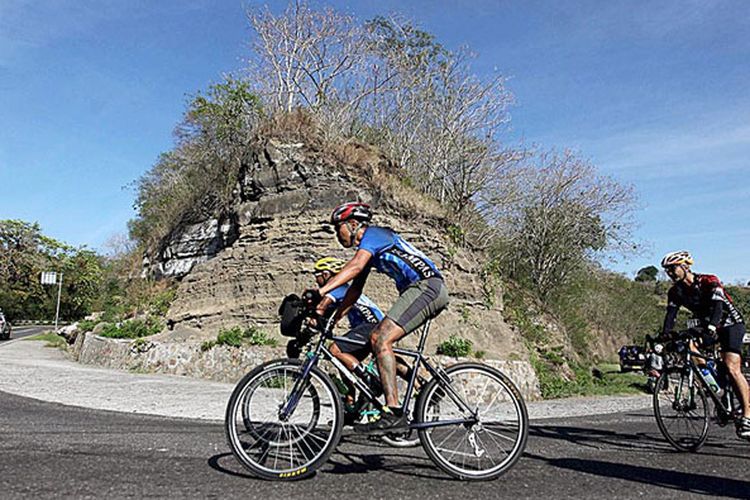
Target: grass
{"type": "Point", "coordinates": [237, 337]}
{"type": "Point", "coordinates": [52, 339]}
{"type": "Point", "coordinates": [455, 346]}
{"type": "Point", "coordinates": [609, 381]}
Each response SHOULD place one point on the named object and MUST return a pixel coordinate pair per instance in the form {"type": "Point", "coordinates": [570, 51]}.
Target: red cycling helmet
{"type": "Point", "coordinates": [352, 210]}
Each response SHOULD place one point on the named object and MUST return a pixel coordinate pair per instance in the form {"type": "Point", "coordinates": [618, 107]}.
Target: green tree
{"type": "Point", "coordinates": [566, 215]}
{"type": "Point", "coordinates": [648, 273]}
{"type": "Point", "coordinates": [196, 179]}
{"type": "Point", "coordinates": [24, 254]}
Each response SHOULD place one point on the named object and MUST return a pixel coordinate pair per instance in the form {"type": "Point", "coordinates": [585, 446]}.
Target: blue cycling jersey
{"type": "Point", "coordinates": [395, 257]}
{"type": "Point", "coordinates": [363, 311]}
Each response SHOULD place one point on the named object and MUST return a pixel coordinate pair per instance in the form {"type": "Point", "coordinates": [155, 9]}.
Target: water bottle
{"type": "Point", "coordinates": [710, 380]}
{"type": "Point", "coordinates": [340, 385]}
{"type": "Point", "coordinates": [719, 377]}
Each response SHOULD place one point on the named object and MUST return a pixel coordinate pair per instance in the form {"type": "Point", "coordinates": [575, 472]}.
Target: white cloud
{"type": "Point", "coordinates": [721, 145]}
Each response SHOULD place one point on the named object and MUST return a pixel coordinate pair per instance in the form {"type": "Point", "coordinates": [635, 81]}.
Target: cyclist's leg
{"type": "Point", "coordinates": [352, 354]}
{"type": "Point", "coordinates": [418, 303]}
{"type": "Point", "coordinates": [731, 343]}
{"type": "Point", "coordinates": [349, 360]}
{"type": "Point", "coordinates": [385, 335]}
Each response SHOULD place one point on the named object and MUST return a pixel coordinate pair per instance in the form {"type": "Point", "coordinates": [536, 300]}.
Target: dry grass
{"type": "Point", "coordinates": [298, 126]}
{"type": "Point", "coordinates": [387, 181]}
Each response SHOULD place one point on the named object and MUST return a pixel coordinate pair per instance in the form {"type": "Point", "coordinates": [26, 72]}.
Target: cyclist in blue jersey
{"type": "Point", "coordinates": [422, 293]}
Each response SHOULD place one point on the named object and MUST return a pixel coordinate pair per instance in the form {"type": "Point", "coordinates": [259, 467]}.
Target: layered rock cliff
{"type": "Point", "coordinates": [234, 270]}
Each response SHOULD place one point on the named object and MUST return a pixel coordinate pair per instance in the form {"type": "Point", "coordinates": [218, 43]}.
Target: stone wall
{"type": "Point", "coordinates": [228, 364]}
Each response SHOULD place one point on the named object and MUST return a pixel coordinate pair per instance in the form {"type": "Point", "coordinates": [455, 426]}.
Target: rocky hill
{"type": "Point", "coordinates": [236, 268]}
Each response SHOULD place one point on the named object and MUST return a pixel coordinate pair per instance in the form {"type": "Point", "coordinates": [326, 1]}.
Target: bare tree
{"type": "Point", "coordinates": [566, 214]}
{"type": "Point", "coordinates": [313, 59]}
{"type": "Point", "coordinates": [390, 83]}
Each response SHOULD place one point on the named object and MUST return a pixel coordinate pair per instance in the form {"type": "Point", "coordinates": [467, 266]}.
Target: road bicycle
{"type": "Point", "coordinates": [285, 417]}
{"type": "Point", "coordinates": [684, 389]}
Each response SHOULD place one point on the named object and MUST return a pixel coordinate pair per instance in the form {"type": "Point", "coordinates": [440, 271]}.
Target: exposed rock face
{"type": "Point", "coordinates": [237, 272]}
{"type": "Point", "coordinates": [194, 244]}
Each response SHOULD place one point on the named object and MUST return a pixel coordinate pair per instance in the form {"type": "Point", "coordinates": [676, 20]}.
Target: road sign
{"type": "Point", "coordinates": [49, 278]}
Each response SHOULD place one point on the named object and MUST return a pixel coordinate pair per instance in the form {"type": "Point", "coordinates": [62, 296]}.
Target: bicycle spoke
{"type": "Point", "coordinates": [484, 447]}
{"type": "Point", "coordinates": [499, 435]}
{"type": "Point", "coordinates": [272, 446]}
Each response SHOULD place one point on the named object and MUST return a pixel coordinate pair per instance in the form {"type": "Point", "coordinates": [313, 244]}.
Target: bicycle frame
{"type": "Point", "coordinates": [690, 354]}
{"type": "Point", "coordinates": [321, 351]}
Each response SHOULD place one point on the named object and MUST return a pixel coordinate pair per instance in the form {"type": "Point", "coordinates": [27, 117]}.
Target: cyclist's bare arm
{"type": "Point", "coordinates": [323, 306]}
{"type": "Point", "coordinates": [351, 270]}
{"type": "Point", "coordinates": [352, 294]}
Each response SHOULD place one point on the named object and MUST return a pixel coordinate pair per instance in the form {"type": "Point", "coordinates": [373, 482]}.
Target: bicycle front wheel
{"type": "Point", "coordinates": [681, 410]}
{"type": "Point", "coordinates": [277, 446]}
{"type": "Point", "coordinates": [479, 427]}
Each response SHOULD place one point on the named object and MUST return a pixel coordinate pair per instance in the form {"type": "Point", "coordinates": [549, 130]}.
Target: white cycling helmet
{"type": "Point", "coordinates": [677, 258]}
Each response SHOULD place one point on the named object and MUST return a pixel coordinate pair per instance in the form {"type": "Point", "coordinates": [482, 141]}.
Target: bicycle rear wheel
{"type": "Point", "coordinates": [490, 429]}
{"type": "Point", "coordinates": [279, 448]}
{"type": "Point", "coordinates": [681, 410]}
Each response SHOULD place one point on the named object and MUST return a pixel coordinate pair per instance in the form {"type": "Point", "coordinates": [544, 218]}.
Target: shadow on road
{"type": "Point", "coordinates": [214, 463]}
{"type": "Point", "coordinates": [648, 442]}
{"type": "Point", "coordinates": [638, 442]}
{"type": "Point", "coordinates": [683, 481]}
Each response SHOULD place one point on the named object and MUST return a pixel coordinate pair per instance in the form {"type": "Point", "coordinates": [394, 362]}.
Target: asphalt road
{"type": "Point", "coordinates": [26, 331]}
{"type": "Point", "coordinates": [49, 450]}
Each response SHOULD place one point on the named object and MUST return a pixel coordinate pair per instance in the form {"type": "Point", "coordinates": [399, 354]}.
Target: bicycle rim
{"type": "Point", "coordinates": [681, 410]}
{"type": "Point", "coordinates": [283, 449]}
{"type": "Point", "coordinates": [482, 450]}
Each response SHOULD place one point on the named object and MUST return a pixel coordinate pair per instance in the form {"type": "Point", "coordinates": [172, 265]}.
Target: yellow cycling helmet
{"type": "Point", "coordinates": [331, 264]}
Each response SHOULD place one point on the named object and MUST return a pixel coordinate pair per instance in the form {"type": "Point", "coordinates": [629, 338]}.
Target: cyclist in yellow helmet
{"type": "Point", "coordinates": [362, 316]}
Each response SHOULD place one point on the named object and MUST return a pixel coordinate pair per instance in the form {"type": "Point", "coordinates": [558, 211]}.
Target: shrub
{"type": "Point", "coordinates": [455, 346]}
{"type": "Point", "coordinates": [132, 329]}
{"type": "Point", "coordinates": [236, 337]}
{"type": "Point", "coordinates": [161, 300]}
{"type": "Point", "coordinates": [86, 325]}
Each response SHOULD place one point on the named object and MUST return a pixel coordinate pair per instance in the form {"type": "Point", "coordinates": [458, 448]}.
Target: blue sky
{"type": "Point", "coordinates": [654, 93]}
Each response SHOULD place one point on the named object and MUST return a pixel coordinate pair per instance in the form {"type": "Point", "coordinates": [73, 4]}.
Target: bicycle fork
{"type": "Point", "coordinates": [286, 411]}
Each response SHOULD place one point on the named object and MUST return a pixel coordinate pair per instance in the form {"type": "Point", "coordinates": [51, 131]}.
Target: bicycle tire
{"type": "Point", "coordinates": [687, 412]}
{"type": "Point", "coordinates": [434, 398]}
{"type": "Point", "coordinates": [258, 433]}
{"type": "Point", "coordinates": [266, 458]}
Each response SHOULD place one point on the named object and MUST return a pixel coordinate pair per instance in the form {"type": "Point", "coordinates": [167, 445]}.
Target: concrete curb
{"type": "Point", "coordinates": [29, 369]}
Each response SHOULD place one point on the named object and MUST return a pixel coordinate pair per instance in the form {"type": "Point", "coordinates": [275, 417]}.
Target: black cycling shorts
{"type": "Point", "coordinates": [360, 332]}
{"type": "Point", "coordinates": [731, 338]}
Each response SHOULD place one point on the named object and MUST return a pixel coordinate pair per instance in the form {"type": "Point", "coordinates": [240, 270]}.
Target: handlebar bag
{"type": "Point", "coordinates": [291, 313]}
